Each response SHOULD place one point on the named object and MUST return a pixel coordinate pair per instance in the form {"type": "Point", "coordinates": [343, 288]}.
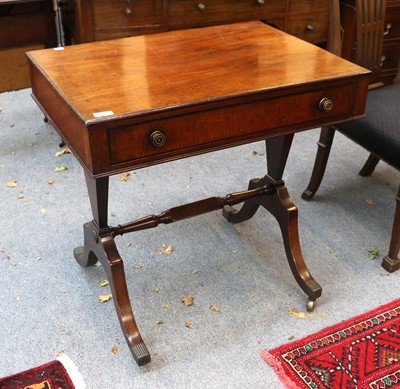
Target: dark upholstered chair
{"type": "Point", "coordinates": [378, 132]}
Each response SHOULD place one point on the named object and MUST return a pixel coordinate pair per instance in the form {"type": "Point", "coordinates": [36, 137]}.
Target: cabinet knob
{"type": "Point", "coordinates": [128, 9]}
{"type": "Point", "coordinates": [260, 2]}
{"type": "Point", "coordinates": [201, 7]}
{"type": "Point", "coordinates": [158, 138]}
{"type": "Point", "coordinates": [325, 104]}
{"type": "Point", "coordinates": [388, 28]}
{"type": "Point", "coordinates": [310, 27]}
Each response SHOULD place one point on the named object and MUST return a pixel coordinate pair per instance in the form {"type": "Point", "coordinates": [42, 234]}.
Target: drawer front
{"type": "Point", "coordinates": [182, 13]}
{"type": "Point", "coordinates": [102, 35]}
{"type": "Point", "coordinates": [189, 134]}
{"type": "Point", "coordinates": [26, 24]}
{"type": "Point", "coordinates": [119, 14]}
{"type": "Point", "coordinates": [307, 5]}
{"type": "Point", "coordinates": [392, 24]}
{"type": "Point", "coordinates": [278, 23]}
{"type": "Point", "coordinates": [390, 58]}
{"type": "Point", "coordinates": [311, 27]}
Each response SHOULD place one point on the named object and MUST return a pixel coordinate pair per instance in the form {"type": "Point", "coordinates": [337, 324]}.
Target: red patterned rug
{"type": "Point", "coordinates": [59, 374]}
{"type": "Point", "coordinates": [359, 353]}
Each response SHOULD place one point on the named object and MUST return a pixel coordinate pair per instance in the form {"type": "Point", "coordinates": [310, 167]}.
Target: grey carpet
{"type": "Point", "coordinates": [49, 304]}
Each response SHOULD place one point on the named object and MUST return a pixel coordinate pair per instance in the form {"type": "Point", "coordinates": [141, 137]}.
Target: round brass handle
{"type": "Point", "coordinates": [260, 2]}
{"type": "Point", "coordinates": [158, 138]}
{"type": "Point", "coordinates": [310, 27]}
{"type": "Point", "coordinates": [325, 104]}
{"type": "Point", "coordinates": [201, 7]}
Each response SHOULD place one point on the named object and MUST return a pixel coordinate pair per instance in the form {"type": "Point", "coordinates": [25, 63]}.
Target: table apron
{"type": "Point", "coordinates": [130, 146]}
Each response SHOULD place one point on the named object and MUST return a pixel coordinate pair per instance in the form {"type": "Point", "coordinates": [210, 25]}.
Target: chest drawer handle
{"type": "Point", "coordinates": [260, 2]}
{"type": "Point", "coordinates": [325, 104]}
{"type": "Point", "coordinates": [388, 28]}
{"type": "Point", "coordinates": [128, 10]}
{"type": "Point", "coordinates": [201, 7]}
{"type": "Point", "coordinates": [158, 138]}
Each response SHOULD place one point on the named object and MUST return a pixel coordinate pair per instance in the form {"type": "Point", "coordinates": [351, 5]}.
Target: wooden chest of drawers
{"type": "Point", "coordinates": [93, 20]}
{"type": "Point", "coordinates": [24, 25]}
{"type": "Point", "coordinates": [390, 51]}
{"type": "Point", "coordinates": [391, 42]}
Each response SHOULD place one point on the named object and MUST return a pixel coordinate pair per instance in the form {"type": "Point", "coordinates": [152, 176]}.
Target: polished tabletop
{"type": "Point", "coordinates": [161, 71]}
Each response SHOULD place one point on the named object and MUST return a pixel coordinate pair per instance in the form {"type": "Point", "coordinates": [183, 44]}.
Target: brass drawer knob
{"type": "Point", "coordinates": [201, 7]}
{"type": "Point", "coordinates": [310, 27]}
{"type": "Point", "coordinates": [260, 2]}
{"type": "Point", "coordinates": [325, 104]}
{"type": "Point", "coordinates": [157, 138]}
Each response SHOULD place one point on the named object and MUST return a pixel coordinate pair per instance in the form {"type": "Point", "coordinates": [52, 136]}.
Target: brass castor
{"type": "Point", "coordinates": [310, 305]}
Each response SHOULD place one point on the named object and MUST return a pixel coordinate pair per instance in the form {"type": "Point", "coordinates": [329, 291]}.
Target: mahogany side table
{"type": "Point", "coordinates": [136, 102]}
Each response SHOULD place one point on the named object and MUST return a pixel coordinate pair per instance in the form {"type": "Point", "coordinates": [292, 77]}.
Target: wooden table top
{"type": "Point", "coordinates": [139, 101]}
{"type": "Point", "coordinates": [132, 76]}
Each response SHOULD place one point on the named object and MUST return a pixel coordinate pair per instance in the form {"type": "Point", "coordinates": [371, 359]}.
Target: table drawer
{"type": "Point", "coordinates": [116, 14]}
{"type": "Point", "coordinates": [229, 125]}
{"type": "Point", "coordinates": [207, 12]}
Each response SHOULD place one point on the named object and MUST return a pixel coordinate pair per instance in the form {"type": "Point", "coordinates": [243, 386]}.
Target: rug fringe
{"type": "Point", "coordinates": [277, 365]}
{"type": "Point", "coordinates": [73, 372]}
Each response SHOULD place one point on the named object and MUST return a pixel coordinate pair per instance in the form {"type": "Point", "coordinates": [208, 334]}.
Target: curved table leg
{"type": "Point", "coordinates": [278, 202]}
{"type": "Point", "coordinates": [321, 160]}
{"type": "Point", "coordinates": [281, 206]}
{"type": "Point", "coordinates": [85, 255]}
{"type": "Point", "coordinates": [104, 249]}
{"type": "Point", "coordinates": [369, 166]}
{"type": "Point", "coordinates": [391, 262]}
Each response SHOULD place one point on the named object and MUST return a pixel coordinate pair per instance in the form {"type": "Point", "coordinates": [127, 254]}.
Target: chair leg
{"type": "Point", "coordinates": [321, 160]}
{"type": "Point", "coordinates": [391, 262]}
{"type": "Point", "coordinates": [369, 165]}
